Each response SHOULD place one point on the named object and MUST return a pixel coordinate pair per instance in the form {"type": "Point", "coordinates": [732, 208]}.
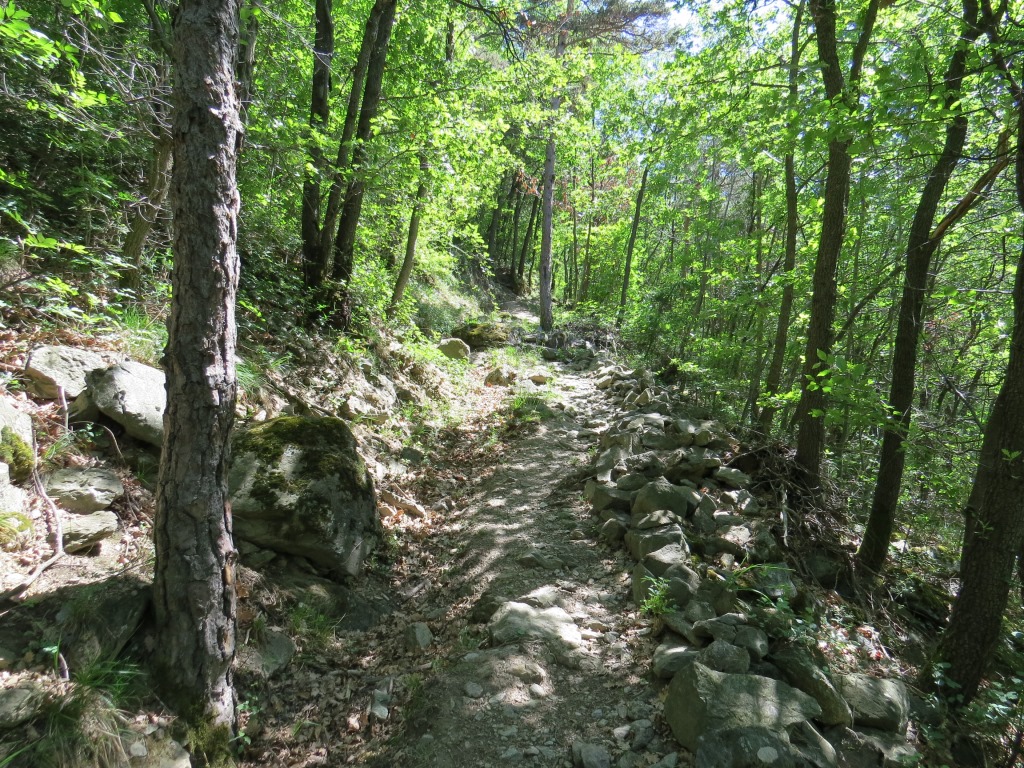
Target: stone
{"type": "Point", "coordinates": [801, 670]}
{"type": "Point", "coordinates": [661, 494]}
{"type": "Point", "coordinates": [85, 531]}
{"type": "Point", "coordinates": [166, 753]}
{"type": "Point", "coordinates": [867, 748]}
{"type": "Point", "coordinates": [876, 703]}
{"type": "Point", "coordinates": [97, 621]}
{"type": "Point", "coordinates": [13, 500]}
{"type": "Point", "coordinates": [538, 558]}
{"type": "Point", "coordinates": [747, 747]}
{"type": "Point", "coordinates": [723, 656]}
{"type": "Point", "coordinates": [661, 560]}
{"type": "Point", "coordinates": [268, 654]}
{"type": "Point", "coordinates": [133, 395]}
{"type": "Point", "coordinates": [698, 611]}
{"type": "Point", "coordinates": [719, 594]}
{"type": "Point", "coordinates": [732, 477]}
{"type": "Point", "coordinates": [642, 584]}
{"type": "Point", "coordinates": [742, 501]}
{"type": "Point", "coordinates": [614, 530]}
{"type": "Point", "coordinates": [587, 755]}
{"type": "Point", "coordinates": [771, 580]}
{"type": "Point", "coordinates": [641, 543]}
{"type": "Point", "coordinates": [417, 637]}
{"type": "Point", "coordinates": [501, 376]}
{"type": "Point", "coordinates": [540, 379]}
{"type": "Point", "coordinates": [755, 641]}
{"type": "Point", "coordinates": [20, 703]}
{"type": "Point", "coordinates": [701, 700]}
{"type": "Point", "coordinates": [454, 349]}
{"type": "Point", "coordinates": [482, 335]}
{"type": "Point", "coordinates": [51, 369]}
{"type": "Point", "coordinates": [473, 690]}
{"type": "Point", "coordinates": [19, 422]}
{"type": "Point", "coordinates": [606, 461]}
{"type": "Point", "coordinates": [514, 622]}
{"type": "Point", "coordinates": [603, 497]}
{"type": "Point", "coordinates": [632, 481]}
{"type": "Point", "coordinates": [732, 539]}
{"type": "Point", "coordinates": [299, 486]}
{"type": "Point", "coordinates": [723, 627]}
{"type": "Point", "coordinates": [813, 748]}
{"type": "Point", "coordinates": [83, 490]}
{"type": "Point", "coordinates": [656, 519]}
{"type": "Point", "coordinates": [672, 655]}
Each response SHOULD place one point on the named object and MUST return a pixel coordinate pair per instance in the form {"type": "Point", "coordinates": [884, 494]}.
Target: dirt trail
{"type": "Point", "coordinates": [524, 547]}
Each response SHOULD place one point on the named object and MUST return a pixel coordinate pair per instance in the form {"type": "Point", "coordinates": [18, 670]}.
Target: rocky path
{"type": "Point", "coordinates": [554, 679]}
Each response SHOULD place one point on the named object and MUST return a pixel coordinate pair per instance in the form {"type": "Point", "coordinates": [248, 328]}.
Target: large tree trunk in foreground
{"type": "Point", "coordinates": [920, 248]}
{"type": "Point", "coordinates": [193, 591]}
{"type": "Point", "coordinates": [994, 533]}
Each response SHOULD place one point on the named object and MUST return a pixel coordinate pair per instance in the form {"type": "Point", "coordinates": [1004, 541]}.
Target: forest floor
{"type": "Point", "coordinates": [507, 523]}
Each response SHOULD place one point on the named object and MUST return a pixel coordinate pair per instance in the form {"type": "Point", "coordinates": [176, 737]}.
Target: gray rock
{"type": "Point", "coordinates": [632, 481]}
{"type": "Point", "coordinates": [655, 519]}
{"type": "Point", "coordinates": [133, 395]}
{"type": "Point", "coordinates": [164, 753]}
{"type": "Point", "coordinates": [732, 477]}
{"type": "Point", "coordinates": [661, 494]}
{"type": "Point", "coordinates": [747, 747]}
{"type": "Point", "coordinates": [12, 498]}
{"type": "Point", "coordinates": [606, 462]}
{"type": "Point", "coordinates": [514, 622]}
{"type": "Point", "coordinates": [679, 624]}
{"type": "Point", "coordinates": [501, 376]}
{"type": "Point", "coordinates": [755, 641]}
{"type": "Point", "coordinates": [661, 560]}
{"type": "Point", "coordinates": [613, 531]}
{"type": "Point", "coordinates": [802, 671]}
{"type": "Point", "coordinates": [812, 747]}
{"type": "Point", "coordinates": [20, 703]}
{"type": "Point", "coordinates": [701, 700]}
{"type": "Point", "coordinates": [51, 369]}
{"type": "Point", "coordinates": [772, 580]}
{"type": "Point", "coordinates": [97, 621]}
{"type": "Point", "coordinates": [876, 703]}
{"type": "Point", "coordinates": [299, 486]}
{"type": "Point", "coordinates": [417, 637]}
{"type": "Point", "coordinates": [868, 748]}
{"type": "Point", "coordinates": [698, 610]}
{"type": "Point", "coordinates": [454, 349]}
{"type": "Point", "coordinates": [473, 690]}
{"type": "Point", "coordinates": [641, 543]}
{"type": "Point", "coordinates": [723, 656]}
{"type": "Point", "coordinates": [83, 490]}
{"type": "Point", "coordinates": [604, 497]}
{"type": "Point", "coordinates": [586, 755]}
{"type": "Point", "coordinates": [672, 655]}
{"type": "Point", "coordinates": [538, 558]}
{"type": "Point", "coordinates": [20, 423]}
{"type": "Point", "coordinates": [719, 594]}
{"type": "Point", "coordinates": [267, 655]}
{"type": "Point", "coordinates": [642, 584]}
{"type": "Point", "coordinates": [723, 627]}
{"type": "Point", "coordinates": [85, 531]}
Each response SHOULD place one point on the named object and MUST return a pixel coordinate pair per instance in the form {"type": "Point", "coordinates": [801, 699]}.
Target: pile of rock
{"type": "Point", "coordinates": [743, 692]}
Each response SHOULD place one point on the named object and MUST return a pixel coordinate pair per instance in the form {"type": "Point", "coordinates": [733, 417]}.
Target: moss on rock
{"type": "Point", "coordinates": [16, 453]}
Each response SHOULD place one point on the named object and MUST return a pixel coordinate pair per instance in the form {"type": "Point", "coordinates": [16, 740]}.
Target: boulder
{"type": "Point", "coordinates": [20, 703]}
{"type": "Point", "coordinates": [83, 490]}
{"type": "Point", "coordinates": [501, 376]}
{"type": "Point", "coordinates": [482, 335]}
{"type": "Point", "coordinates": [454, 349]}
{"type": "Point", "coordinates": [83, 532]}
{"type": "Point", "coordinates": [872, 749]}
{"type": "Point", "coordinates": [672, 655]}
{"type": "Point", "coordinates": [701, 700]}
{"type": "Point", "coordinates": [51, 369]}
{"type": "Point", "coordinates": [661, 494]}
{"type": "Point", "coordinates": [802, 671]}
{"type": "Point", "coordinates": [299, 486]}
{"type": "Point", "coordinates": [747, 747]}
{"type": "Point", "coordinates": [20, 423]}
{"type": "Point", "coordinates": [660, 560]}
{"type": "Point", "coordinates": [723, 656]}
{"type": "Point", "coordinates": [13, 500]}
{"type": "Point", "coordinates": [605, 497]}
{"type": "Point", "coordinates": [876, 703]}
{"type": "Point", "coordinates": [514, 622]}
{"type": "Point", "coordinates": [732, 477]}
{"type": "Point", "coordinates": [641, 543]}
{"type": "Point", "coordinates": [614, 530]}
{"type": "Point", "coordinates": [98, 620]}
{"type": "Point", "coordinates": [607, 461]}
{"type": "Point", "coordinates": [133, 395]}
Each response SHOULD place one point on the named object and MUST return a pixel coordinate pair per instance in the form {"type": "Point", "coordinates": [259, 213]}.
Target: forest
{"type": "Point", "coordinates": [805, 216]}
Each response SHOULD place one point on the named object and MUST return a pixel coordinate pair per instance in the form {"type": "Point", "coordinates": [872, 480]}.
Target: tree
{"type": "Point", "coordinates": [194, 591]}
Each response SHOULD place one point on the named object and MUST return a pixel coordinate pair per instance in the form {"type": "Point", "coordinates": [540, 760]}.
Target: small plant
{"type": "Point", "coordinates": [15, 528]}
{"type": "Point", "coordinates": [313, 625]}
{"type": "Point", "coordinates": [658, 601]}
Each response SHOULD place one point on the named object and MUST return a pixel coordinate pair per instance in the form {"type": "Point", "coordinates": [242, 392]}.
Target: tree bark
{"type": "Point", "coordinates": [774, 377]}
{"type": "Point", "coordinates": [410, 244]}
{"type": "Point", "coordinates": [527, 242]}
{"type": "Point", "coordinates": [319, 116]}
{"type": "Point", "coordinates": [810, 442]}
{"type": "Point", "coordinates": [193, 590]}
{"type": "Point", "coordinates": [547, 319]}
{"type": "Point", "coordinates": [344, 245]}
{"type": "Point", "coordinates": [147, 211]}
{"type": "Point", "coordinates": [920, 248]}
{"type": "Point", "coordinates": [631, 243]}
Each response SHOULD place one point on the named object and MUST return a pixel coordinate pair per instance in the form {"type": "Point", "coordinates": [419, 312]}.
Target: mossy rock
{"type": "Point", "coordinates": [16, 454]}
{"type": "Point", "coordinates": [298, 486]}
{"type": "Point", "coordinates": [482, 335]}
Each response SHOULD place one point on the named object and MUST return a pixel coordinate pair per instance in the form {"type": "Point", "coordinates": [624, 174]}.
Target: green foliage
{"type": "Point", "coordinates": [16, 454]}
{"type": "Point", "coordinates": [15, 528]}
{"type": "Point", "coordinates": [659, 600]}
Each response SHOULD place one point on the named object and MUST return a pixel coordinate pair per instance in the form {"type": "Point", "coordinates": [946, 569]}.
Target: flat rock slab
{"type": "Point", "coordinates": [514, 622]}
{"type": "Point", "coordinates": [84, 490]}
{"type": "Point", "coordinates": [84, 531]}
{"type": "Point", "coordinates": [800, 670]}
{"type": "Point", "coordinates": [19, 422]}
{"type": "Point", "coordinates": [52, 369]}
{"type": "Point", "coordinates": [745, 748]}
{"type": "Point", "coordinates": [133, 395]}
{"type": "Point", "coordinates": [701, 700]}
{"type": "Point", "coordinates": [19, 704]}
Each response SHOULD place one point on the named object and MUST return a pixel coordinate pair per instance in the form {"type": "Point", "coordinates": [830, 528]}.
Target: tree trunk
{"type": "Point", "coordinates": [810, 444]}
{"type": "Point", "coordinates": [517, 218]}
{"type": "Point", "coordinates": [495, 224]}
{"type": "Point", "coordinates": [527, 241]}
{"type": "Point", "coordinates": [344, 245]}
{"type": "Point", "coordinates": [193, 590]}
{"type": "Point", "coordinates": [319, 116]}
{"type": "Point", "coordinates": [629, 248]}
{"type": "Point", "coordinates": [410, 243]}
{"type": "Point", "coordinates": [147, 210]}
{"type": "Point", "coordinates": [774, 377]}
{"type": "Point", "coordinates": [547, 319]}
{"type": "Point", "coordinates": [920, 248]}
{"type": "Point", "coordinates": [246, 67]}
